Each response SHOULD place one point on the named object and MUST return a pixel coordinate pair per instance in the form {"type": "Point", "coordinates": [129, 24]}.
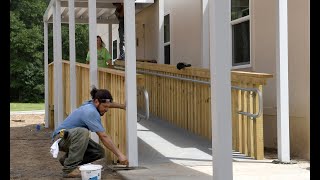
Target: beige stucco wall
{"type": "Point", "coordinates": [185, 17]}
{"type": "Point", "coordinates": [147, 33]}
{"type": "Point", "coordinates": [264, 57]}
{"type": "Point", "coordinates": [185, 31]}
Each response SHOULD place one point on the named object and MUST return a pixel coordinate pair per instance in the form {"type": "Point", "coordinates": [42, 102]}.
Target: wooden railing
{"type": "Point", "coordinates": [187, 104]}
{"type": "Point", "coordinates": [114, 120]}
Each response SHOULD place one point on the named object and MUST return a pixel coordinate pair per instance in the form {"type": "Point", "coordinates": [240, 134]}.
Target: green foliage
{"type": "Point", "coordinates": [26, 106]}
{"type": "Point", "coordinates": [81, 41]}
{"type": "Point", "coordinates": [26, 61]}
{"type": "Point", "coordinates": [27, 48]}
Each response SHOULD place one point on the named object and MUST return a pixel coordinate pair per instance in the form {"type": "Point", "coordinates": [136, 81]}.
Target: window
{"type": "Point", "coordinates": [167, 39]}
{"type": "Point", "coordinates": [114, 49]}
{"type": "Point", "coordinates": [167, 54]}
{"type": "Point", "coordinates": [240, 21]}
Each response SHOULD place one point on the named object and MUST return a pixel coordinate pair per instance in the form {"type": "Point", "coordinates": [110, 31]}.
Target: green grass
{"type": "Point", "coordinates": [26, 106]}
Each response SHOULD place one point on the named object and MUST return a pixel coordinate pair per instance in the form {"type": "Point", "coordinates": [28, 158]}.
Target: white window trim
{"type": "Point", "coordinates": [240, 20]}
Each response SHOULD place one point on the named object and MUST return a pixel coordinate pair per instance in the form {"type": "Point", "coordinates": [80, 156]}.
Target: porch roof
{"type": "Point", "coordinates": [104, 8]}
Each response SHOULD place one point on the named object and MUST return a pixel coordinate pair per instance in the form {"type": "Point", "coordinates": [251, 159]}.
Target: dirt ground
{"type": "Point", "coordinates": [30, 156]}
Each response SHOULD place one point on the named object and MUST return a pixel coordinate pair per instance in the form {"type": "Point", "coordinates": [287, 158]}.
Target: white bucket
{"type": "Point", "coordinates": [90, 172]}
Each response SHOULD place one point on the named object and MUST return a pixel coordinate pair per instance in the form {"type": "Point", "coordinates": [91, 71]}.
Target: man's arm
{"type": "Point", "coordinates": [117, 105]}
{"type": "Point", "coordinates": [108, 143]}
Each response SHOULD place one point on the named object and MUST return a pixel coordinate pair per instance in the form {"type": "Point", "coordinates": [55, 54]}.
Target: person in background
{"type": "Point", "coordinates": [119, 12]}
{"type": "Point", "coordinates": [103, 56]}
{"type": "Point", "coordinates": [73, 133]}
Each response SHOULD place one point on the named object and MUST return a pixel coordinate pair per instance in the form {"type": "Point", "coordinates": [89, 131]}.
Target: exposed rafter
{"type": "Point", "coordinates": [105, 10]}
{"type": "Point", "coordinates": [80, 12]}
{"type": "Point", "coordinates": [101, 12]}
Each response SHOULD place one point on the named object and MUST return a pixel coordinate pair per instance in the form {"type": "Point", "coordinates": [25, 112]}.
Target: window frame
{"type": "Point", "coordinates": [170, 36]}
{"type": "Point", "coordinates": [238, 21]}
{"type": "Point", "coordinates": [116, 46]}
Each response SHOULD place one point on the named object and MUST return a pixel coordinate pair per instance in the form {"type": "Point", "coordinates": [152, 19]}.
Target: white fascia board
{"type": "Point", "coordinates": [144, 1]}
{"type": "Point", "coordinates": [85, 5]}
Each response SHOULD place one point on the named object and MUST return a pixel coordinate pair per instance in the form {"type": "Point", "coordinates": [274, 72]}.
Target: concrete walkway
{"type": "Point", "coordinates": [167, 152]}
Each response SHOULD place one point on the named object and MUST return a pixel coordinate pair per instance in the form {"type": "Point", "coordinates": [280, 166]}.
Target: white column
{"type": "Point", "coordinates": [220, 70]}
{"type": "Point", "coordinates": [58, 83]}
{"type": "Point", "coordinates": [46, 79]}
{"type": "Point", "coordinates": [55, 86]}
{"type": "Point", "coordinates": [110, 40]}
{"type": "Point", "coordinates": [205, 34]}
{"type": "Point", "coordinates": [72, 50]}
{"type": "Point", "coordinates": [282, 83]}
{"type": "Point", "coordinates": [161, 32]}
{"type": "Point", "coordinates": [131, 81]}
{"type": "Point", "coordinates": [93, 51]}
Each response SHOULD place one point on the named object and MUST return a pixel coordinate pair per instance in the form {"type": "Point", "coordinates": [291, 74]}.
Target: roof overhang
{"type": "Point", "coordinates": [104, 8]}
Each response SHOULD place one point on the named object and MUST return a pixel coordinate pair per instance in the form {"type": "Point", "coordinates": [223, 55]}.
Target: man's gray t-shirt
{"type": "Point", "coordinates": [86, 116]}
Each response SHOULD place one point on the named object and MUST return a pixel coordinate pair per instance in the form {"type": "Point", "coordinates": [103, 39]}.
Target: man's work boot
{"type": "Point", "coordinates": [76, 173]}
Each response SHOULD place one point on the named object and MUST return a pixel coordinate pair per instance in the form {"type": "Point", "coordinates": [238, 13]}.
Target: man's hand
{"type": "Point", "coordinates": [117, 105]}
{"type": "Point", "coordinates": [108, 143]}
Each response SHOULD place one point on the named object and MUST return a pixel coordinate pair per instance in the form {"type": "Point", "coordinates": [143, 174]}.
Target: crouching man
{"type": "Point", "coordinates": [75, 139]}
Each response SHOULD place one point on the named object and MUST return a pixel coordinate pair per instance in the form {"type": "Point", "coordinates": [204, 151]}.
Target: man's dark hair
{"type": "Point", "coordinates": [103, 95]}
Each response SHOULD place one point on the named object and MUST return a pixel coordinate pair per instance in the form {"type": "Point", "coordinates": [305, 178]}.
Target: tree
{"type": "Point", "coordinates": [27, 49]}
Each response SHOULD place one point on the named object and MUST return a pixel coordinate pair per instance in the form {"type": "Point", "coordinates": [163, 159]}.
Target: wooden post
{"type": "Point", "coordinates": [46, 78]}
{"type": "Point", "coordinates": [282, 82]}
{"type": "Point", "coordinates": [220, 72]}
{"type": "Point", "coordinates": [131, 82]}
{"type": "Point", "coordinates": [72, 50]}
{"type": "Point", "coordinates": [93, 51]}
{"type": "Point", "coordinates": [258, 129]}
{"type": "Point", "coordinates": [58, 85]}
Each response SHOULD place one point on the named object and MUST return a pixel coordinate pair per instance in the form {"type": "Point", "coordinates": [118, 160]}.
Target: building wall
{"type": "Point", "coordinates": [264, 55]}
{"type": "Point", "coordinates": [185, 40]}
{"type": "Point", "coordinates": [185, 31]}
{"type": "Point", "coordinates": [147, 33]}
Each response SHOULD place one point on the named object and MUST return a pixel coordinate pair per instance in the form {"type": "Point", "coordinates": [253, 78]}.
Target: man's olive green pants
{"type": "Point", "coordinates": [80, 149]}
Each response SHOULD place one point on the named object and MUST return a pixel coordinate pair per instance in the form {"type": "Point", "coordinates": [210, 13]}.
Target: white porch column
{"type": "Point", "coordinates": [161, 32]}
{"type": "Point", "coordinates": [205, 34]}
{"type": "Point", "coordinates": [93, 51]}
{"type": "Point", "coordinates": [131, 81]}
{"type": "Point", "coordinates": [72, 50]}
{"type": "Point", "coordinates": [220, 70]}
{"type": "Point", "coordinates": [46, 79]}
{"type": "Point", "coordinates": [282, 83]}
{"type": "Point", "coordinates": [110, 40]}
{"type": "Point", "coordinates": [58, 83]}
